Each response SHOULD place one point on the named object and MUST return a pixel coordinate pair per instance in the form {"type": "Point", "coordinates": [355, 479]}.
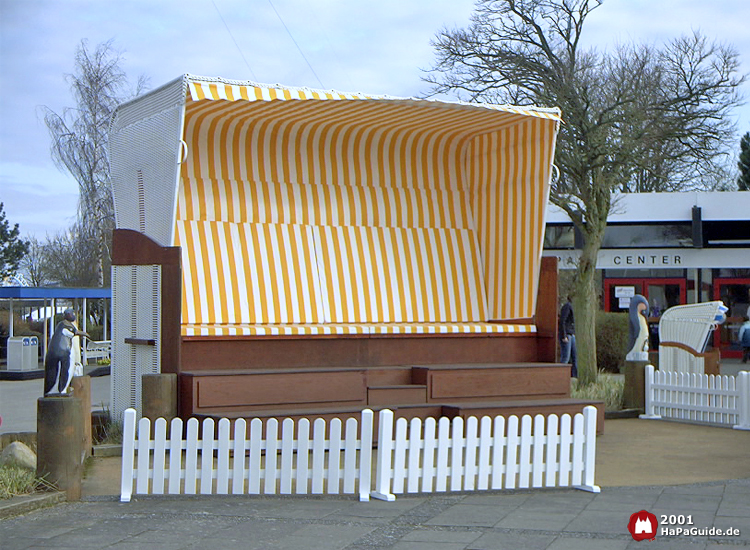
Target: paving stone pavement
{"type": "Point", "coordinates": [547, 519]}
{"type": "Point", "coordinates": [690, 463]}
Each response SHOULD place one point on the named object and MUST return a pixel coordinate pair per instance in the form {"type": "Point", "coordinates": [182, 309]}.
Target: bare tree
{"type": "Point", "coordinates": [79, 137]}
{"type": "Point", "coordinates": [70, 256]}
{"type": "Point", "coordinates": [636, 118]}
{"type": "Point", "coordinates": [34, 264]}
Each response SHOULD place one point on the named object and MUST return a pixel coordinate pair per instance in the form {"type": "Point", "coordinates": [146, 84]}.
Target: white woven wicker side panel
{"type": "Point", "coordinates": [120, 396]}
{"type": "Point", "coordinates": [689, 324]}
{"type": "Point", "coordinates": [151, 103]}
{"type": "Point", "coordinates": [144, 153]}
{"type": "Point", "coordinates": [136, 297]}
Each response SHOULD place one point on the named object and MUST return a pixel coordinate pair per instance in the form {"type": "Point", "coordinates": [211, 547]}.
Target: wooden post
{"type": "Point", "coordinates": [635, 385]}
{"type": "Point", "coordinates": [82, 389]}
{"type": "Point", "coordinates": [59, 443]}
{"type": "Point", "coordinates": [159, 396]}
{"type": "Point", "coordinates": [546, 311]}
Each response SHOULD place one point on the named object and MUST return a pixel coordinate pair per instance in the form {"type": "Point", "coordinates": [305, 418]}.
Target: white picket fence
{"type": "Point", "coordinates": [253, 463]}
{"type": "Point", "coordinates": [446, 455]}
{"type": "Point", "coordinates": [440, 455]}
{"type": "Point", "coordinates": [723, 400]}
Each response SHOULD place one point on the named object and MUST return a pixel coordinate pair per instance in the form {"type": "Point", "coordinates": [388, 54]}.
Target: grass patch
{"type": "Point", "coordinates": [107, 431]}
{"type": "Point", "coordinates": [16, 481]}
{"type": "Point", "coordinates": [111, 434]}
{"type": "Point", "coordinates": [607, 388]}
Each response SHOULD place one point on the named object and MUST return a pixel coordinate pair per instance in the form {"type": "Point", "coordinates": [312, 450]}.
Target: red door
{"type": "Point", "coordinates": [660, 293]}
{"type": "Point", "coordinates": [735, 293]}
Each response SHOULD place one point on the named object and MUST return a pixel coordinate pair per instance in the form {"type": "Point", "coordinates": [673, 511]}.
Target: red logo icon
{"type": "Point", "coordinates": [643, 525]}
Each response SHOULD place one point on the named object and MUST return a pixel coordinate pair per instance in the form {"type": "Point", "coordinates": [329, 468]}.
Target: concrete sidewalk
{"type": "Point", "coordinates": [18, 401]}
{"type": "Point", "coordinates": [546, 519]}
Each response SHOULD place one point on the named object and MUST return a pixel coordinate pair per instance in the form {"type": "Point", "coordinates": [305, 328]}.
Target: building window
{"type": "Point", "coordinates": [558, 237]}
{"type": "Point", "coordinates": [648, 236]}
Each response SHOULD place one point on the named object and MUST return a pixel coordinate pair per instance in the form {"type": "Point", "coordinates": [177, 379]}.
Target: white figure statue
{"type": "Point", "coordinates": [638, 312]}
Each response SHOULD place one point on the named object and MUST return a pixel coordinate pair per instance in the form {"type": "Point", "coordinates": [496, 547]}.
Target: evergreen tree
{"type": "Point", "coordinates": [743, 182]}
{"type": "Point", "coordinates": [12, 248]}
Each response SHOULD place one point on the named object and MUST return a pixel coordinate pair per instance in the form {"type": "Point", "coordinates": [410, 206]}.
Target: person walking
{"type": "Point", "coordinates": [744, 338]}
{"type": "Point", "coordinates": [567, 334]}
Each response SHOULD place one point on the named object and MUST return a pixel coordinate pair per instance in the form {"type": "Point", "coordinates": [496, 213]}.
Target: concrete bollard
{"type": "Point", "coordinates": [60, 443]}
{"type": "Point", "coordinates": [82, 389]}
{"type": "Point", "coordinates": [159, 396]}
{"type": "Point", "coordinates": [634, 395]}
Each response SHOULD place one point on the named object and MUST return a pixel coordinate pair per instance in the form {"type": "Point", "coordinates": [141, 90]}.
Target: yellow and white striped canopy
{"type": "Point", "coordinates": [307, 208]}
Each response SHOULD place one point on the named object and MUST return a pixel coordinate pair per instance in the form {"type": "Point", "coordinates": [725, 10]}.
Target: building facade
{"type": "Point", "coordinates": [672, 248]}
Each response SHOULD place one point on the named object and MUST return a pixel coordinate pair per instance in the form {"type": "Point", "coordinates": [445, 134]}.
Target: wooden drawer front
{"type": "Point", "coordinates": [502, 382]}
{"type": "Point", "coordinates": [272, 389]}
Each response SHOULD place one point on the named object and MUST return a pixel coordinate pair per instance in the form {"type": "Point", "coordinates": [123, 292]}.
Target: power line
{"type": "Point", "coordinates": [295, 43]}
{"type": "Point", "coordinates": [235, 41]}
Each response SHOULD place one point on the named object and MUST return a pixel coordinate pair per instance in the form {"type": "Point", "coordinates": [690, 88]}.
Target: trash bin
{"type": "Point", "coordinates": [31, 354]}
{"type": "Point", "coordinates": [22, 353]}
{"type": "Point", "coordinates": [15, 352]}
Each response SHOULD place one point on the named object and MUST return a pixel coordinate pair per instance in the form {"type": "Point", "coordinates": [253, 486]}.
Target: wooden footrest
{"type": "Point", "coordinates": [493, 382]}
{"type": "Point", "coordinates": [208, 392]}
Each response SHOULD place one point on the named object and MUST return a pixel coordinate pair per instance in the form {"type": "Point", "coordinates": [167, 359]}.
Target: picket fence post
{"type": "Point", "coordinates": [589, 451]}
{"type": "Point", "coordinates": [365, 457]}
{"type": "Point", "coordinates": [649, 383]}
{"type": "Point", "coordinates": [128, 455]}
{"type": "Point", "coordinates": [385, 446]}
{"type": "Point", "coordinates": [743, 401]}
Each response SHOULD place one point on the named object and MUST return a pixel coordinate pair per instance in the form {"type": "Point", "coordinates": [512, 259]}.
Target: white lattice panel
{"type": "Point", "coordinates": [145, 152]}
{"type": "Point", "coordinates": [689, 324]}
{"type": "Point", "coordinates": [136, 297]}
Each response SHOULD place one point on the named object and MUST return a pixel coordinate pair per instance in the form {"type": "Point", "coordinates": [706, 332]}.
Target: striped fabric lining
{"type": "Point", "coordinates": [358, 329]}
{"type": "Point", "coordinates": [510, 216]}
{"type": "Point", "coordinates": [210, 89]}
{"type": "Point", "coordinates": [352, 171]}
{"type": "Point", "coordinates": [249, 273]}
{"type": "Point", "coordinates": [344, 205]}
{"type": "Point", "coordinates": [283, 273]}
{"type": "Point", "coordinates": [340, 142]}
{"type": "Point", "coordinates": [386, 275]}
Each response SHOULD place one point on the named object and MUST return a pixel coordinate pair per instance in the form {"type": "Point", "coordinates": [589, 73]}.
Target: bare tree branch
{"type": "Point", "coordinates": [79, 136]}
{"type": "Point", "coordinates": [639, 118]}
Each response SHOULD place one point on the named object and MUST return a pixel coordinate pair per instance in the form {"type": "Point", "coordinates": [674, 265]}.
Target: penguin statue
{"type": "Point", "coordinates": [58, 359]}
{"type": "Point", "coordinates": [638, 312]}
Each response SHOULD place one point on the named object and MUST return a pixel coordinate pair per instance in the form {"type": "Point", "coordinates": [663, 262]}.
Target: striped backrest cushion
{"type": "Point", "coordinates": [391, 275]}
{"type": "Point", "coordinates": [248, 273]}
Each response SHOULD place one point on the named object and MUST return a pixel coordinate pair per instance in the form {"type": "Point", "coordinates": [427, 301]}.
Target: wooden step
{"type": "Point", "coordinates": [403, 394]}
{"type": "Point", "coordinates": [279, 389]}
{"type": "Point", "coordinates": [531, 407]}
{"type": "Point", "coordinates": [389, 376]}
{"type": "Point", "coordinates": [490, 382]}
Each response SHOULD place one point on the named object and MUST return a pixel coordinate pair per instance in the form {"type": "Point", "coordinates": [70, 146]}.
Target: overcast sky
{"type": "Point", "coordinates": [371, 46]}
